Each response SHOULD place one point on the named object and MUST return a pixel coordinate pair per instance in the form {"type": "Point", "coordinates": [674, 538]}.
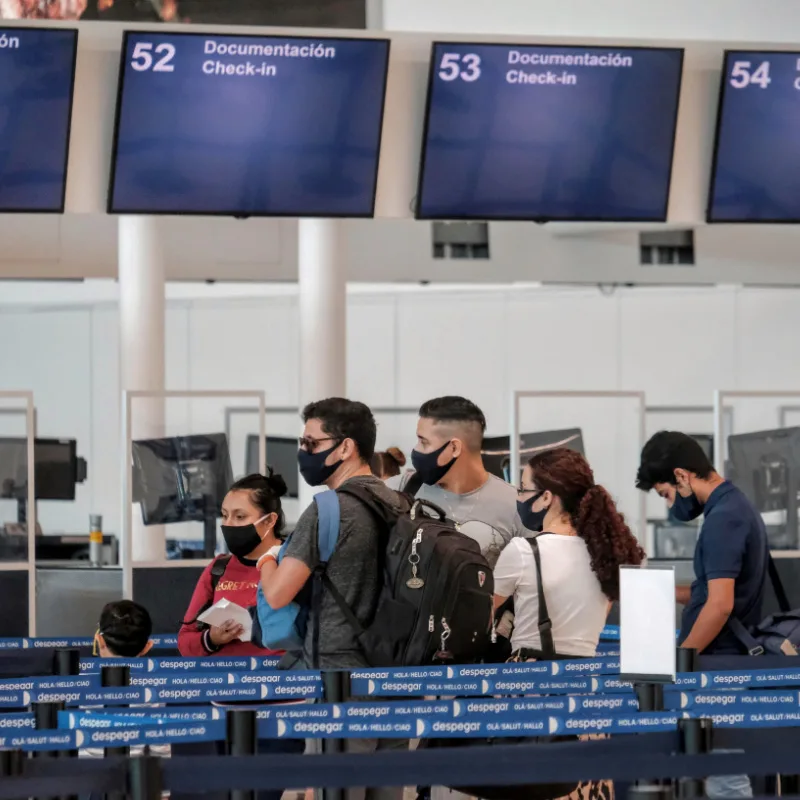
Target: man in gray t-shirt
{"type": "Point", "coordinates": [447, 460]}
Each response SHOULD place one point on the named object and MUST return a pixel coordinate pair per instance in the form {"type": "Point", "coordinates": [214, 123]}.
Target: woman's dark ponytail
{"type": "Point", "coordinates": [609, 540]}
{"type": "Point", "coordinates": [266, 492]}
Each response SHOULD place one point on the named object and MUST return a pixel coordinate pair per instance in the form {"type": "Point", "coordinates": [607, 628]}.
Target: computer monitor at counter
{"type": "Point", "coordinates": [281, 457]}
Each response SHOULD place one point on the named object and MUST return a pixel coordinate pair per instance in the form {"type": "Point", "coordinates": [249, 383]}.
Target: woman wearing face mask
{"type": "Point", "coordinates": [582, 540]}
{"type": "Point", "coordinates": [252, 524]}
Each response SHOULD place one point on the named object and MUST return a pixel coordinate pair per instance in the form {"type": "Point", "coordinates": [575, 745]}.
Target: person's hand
{"type": "Point", "coordinates": [223, 634]}
{"type": "Point", "coordinates": [274, 551]}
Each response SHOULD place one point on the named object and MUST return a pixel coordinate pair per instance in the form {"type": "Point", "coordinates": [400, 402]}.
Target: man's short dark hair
{"type": "Point", "coordinates": [460, 412]}
{"type": "Point", "coordinates": [667, 451]}
{"type": "Point", "coordinates": [345, 419]}
{"type": "Point", "coordinates": [126, 627]}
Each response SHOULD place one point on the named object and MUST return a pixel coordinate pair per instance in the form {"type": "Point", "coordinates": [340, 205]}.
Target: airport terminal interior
{"type": "Point", "coordinates": [579, 216]}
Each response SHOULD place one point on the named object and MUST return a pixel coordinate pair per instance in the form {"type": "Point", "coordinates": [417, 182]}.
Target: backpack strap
{"type": "Point", "coordinates": [328, 523]}
{"type": "Point", "coordinates": [412, 485]}
{"type": "Point", "coordinates": [545, 625]}
{"type": "Point", "coordinates": [218, 567]}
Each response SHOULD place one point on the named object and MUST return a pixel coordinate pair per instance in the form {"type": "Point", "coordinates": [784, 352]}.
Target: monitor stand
{"type": "Point", "coordinates": [209, 532]}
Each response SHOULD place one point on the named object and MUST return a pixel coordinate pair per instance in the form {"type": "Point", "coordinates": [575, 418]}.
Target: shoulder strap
{"type": "Point", "coordinates": [328, 520]}
{"type": "Point", "coordinates": [218, 570]}
{"type": "Point", "coordinates": [777, 584]}
{"type": "Point", "coordinates": [545, 625]}
{"type": "Point", "coordinates": [413, 484]}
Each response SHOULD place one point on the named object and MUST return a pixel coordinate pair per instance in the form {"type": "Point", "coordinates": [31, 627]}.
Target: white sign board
{"type": "Point", "coordinates": [647, 622]}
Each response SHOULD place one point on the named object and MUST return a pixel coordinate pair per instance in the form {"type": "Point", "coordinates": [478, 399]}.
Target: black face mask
{"type": "Point", "coordinates": [241, 539]}
{"type": "Point", "coordinates": [313, 467]}
{"type": "Point", "coordinates": [685, 509]}
{"type": "Point", "coordinates": [532, 520]}
{"type": "Point", "coordinates": [426, 466]}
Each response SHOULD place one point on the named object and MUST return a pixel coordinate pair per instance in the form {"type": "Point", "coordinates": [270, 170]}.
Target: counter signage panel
{"type": "Point", "coordinates": [549, 133]}
{"type": "Point", "coordinates": [37, 71]}
{"type": "Point", "coordinates": [757, 150]}
{"type": "Point", "coordinates": [248, 125]}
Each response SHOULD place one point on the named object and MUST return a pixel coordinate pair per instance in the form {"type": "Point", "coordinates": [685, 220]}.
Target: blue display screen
{"type": "Point", "coordinates": [549, 133]}
{"type": "Point", "coordinates": [37, 71]}
{"type": "Point", "coordinates": [248, 125]}
{"type": "Point", "coordinates": [757, 154]}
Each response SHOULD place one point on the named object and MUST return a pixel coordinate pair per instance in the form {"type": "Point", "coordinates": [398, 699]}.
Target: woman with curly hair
{"type": "Point", "coordinates": [563, 578]}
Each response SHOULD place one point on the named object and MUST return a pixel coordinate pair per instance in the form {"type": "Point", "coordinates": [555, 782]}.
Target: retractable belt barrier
{"type": "Point", "coordinates": [45, 643]}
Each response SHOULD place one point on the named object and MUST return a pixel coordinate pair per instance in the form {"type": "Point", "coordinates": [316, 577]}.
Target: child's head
{"type": "Point", "coordinates": [124, 630]}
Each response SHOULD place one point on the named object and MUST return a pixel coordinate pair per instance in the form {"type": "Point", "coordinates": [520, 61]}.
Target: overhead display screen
{"type": "Point", "coordinates": [549, 133]}
{"type": "Point", "coordinates": [37, 71]}
{"type": "Point", "coordinates": [757, 151]}
{"type": "Point", "coordinates": [248, 125]}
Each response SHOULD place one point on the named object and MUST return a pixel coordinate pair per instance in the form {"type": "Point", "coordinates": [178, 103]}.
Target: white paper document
{"type": "Point", "coordinates": [647, 621]}
{"type": "Point", "coordinates": [224, 610]}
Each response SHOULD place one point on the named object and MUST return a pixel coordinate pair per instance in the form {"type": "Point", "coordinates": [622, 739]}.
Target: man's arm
{"type": "Point", "coordinates": [683, 594]}
{"type": "Point", "coordinates": [714, 615]}
{"type": "Point", "coordinates": [282, 582]}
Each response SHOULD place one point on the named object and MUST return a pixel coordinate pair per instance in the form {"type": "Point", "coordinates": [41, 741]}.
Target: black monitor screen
{"type": "Point", "coordinates": [281, 457]}
{"type": "Point", "coordinates": [497, 458]}
{"type": "Point", "coordinates": [37, 69]}
{"type": "Point", "coordinates": [765, 465]}
{"type": "Point", "coordinates": [181, 479]}
{"type": "Point", "coordinates": [526, 132]}
{"type": "Point", "coordinates": [756, 158]}
{"type": "Point", "coordinates": [55, 468]}
{"type": "Point", "coordinates": [248, 125]}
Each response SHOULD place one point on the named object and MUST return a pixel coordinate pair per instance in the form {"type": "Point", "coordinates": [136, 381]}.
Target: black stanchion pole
{"type": "Point", "coordinates": [144, 778]}
{"type": "Point", "coordinates": [336, 689]}
{"type": "Point", "coordinates": [115, 678]}
{"type": "Point", "coordinates": [241, 739]}
{"type": "Point", "coordinates": [45, 717]}
{"type": "Point", "coordinates": [11, 763]}
{"type": "Point", "coordinates": [67, 661]}
{"type": "Point", "coordinates": [650, 695]}
{"type": "Point", "coordinates": [696, 739]}
{"type": "Point", "coordinates": [687, 660]}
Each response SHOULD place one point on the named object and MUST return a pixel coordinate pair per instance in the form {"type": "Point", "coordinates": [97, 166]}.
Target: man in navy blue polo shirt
{"type": "Point", "coordinates": [730, 560]}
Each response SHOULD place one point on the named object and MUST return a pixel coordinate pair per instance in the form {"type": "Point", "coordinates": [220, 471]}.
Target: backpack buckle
{"type": "Point", "coordinates": [758, 650]}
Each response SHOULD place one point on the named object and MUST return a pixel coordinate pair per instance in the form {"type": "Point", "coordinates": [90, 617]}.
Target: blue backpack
{"type": "Point", "coordinates": [285, 628]}
{"type": "Point", "coordinates": [778, 634]}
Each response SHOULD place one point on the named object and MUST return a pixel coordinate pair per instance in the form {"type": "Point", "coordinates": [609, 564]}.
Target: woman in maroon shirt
{"type": "Point", "coordinates": [252, 524]}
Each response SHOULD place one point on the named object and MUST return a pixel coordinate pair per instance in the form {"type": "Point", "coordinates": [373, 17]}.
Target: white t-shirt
{"type": "Point", "coordinates": [576, 603]}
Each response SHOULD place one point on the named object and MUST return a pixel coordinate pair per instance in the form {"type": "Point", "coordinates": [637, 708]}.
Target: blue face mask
{"type": "Point", "coordinates": [313, 467]}
{"type": "Point", "coordinates": [685, 509]}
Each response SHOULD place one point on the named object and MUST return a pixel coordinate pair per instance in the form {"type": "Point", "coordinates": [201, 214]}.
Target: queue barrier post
{"type": "Point", "coordinates": [650, 696]}
{"type": "Point", "coordinates": [687, 660]}
{"type": "Point", "coordinates": [67, 661]}
{"type": "Point", "coordinates": [11, 763]}
{"type": "Point", "coordinates": [695, 739]}
{"type": "Point", "coordinates": [335, 689]}
{"type": "Point", "coordinates": [115, 678]}
{"type": "Point", "coordinates": [144, 778]}
{"type": "Point", "coordinates": [241, 739]}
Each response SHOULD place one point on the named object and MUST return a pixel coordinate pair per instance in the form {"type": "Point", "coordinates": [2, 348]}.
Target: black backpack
{"type": "Point", "coordinates": [218, 567]}
{"type": "Point", "coordinates": [436, 599]}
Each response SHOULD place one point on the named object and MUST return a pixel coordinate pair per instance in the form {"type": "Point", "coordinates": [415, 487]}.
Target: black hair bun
{"type": "Point", "coordinates": [276, 483]}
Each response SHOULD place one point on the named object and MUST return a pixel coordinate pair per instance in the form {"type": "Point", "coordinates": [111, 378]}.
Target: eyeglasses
{"type": "Point", "coordinates": [310, 445]}
{"type": "Point", "coordinates": [537, 493]}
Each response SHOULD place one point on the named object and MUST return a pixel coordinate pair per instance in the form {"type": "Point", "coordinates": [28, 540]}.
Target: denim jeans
{"type": "Point", "coordinates": [721, 787]}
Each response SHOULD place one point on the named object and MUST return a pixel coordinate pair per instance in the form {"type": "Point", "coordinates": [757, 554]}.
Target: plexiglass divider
{"type": "Point", "coordinates": [20, 403]}
{"type": "Point", "coordinates": [129, 497]}
{"type": "Point", "coordinates": [637, 505]}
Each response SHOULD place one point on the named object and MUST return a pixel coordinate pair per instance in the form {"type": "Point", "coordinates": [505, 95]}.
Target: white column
{"type": "Point", "coordinates": [322, 278]}
{"type": "Point", "coordinates": [141, 326]}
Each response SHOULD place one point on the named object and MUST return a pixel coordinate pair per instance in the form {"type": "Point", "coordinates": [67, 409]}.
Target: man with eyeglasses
{"type": "Point", "coordinates": [336, 447]}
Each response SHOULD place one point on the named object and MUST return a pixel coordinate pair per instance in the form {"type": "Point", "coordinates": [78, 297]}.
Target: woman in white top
{"type": "Point", "coordinates": [583, 540]}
